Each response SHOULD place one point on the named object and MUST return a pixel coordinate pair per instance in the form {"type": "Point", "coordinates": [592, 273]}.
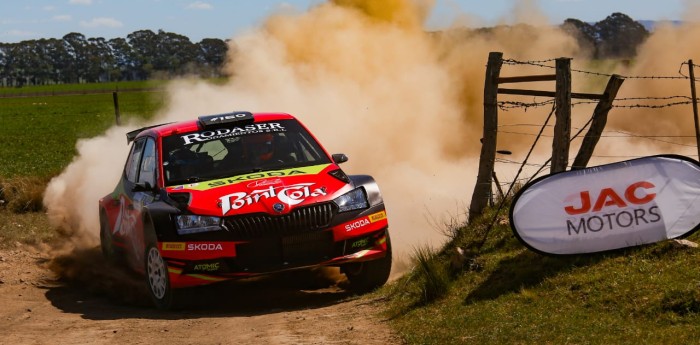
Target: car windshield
{"type": "Point", "coordinates": [230, 151]}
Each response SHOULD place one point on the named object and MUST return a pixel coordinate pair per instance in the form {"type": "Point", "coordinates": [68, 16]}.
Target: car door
{"type": "Point", "coordinates": [138, 192]}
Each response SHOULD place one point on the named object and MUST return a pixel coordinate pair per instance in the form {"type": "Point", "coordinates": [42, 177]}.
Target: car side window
{"type": "Point", "coordinates": [148, 163]}
{"type": "Point", "coordinates": [132, 165]}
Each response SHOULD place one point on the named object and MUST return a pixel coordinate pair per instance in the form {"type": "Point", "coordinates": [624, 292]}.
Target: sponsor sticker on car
{"type": "Point", "coordinates": [173, 246]}
{"type": "Point", "coordinates": [364, 221]}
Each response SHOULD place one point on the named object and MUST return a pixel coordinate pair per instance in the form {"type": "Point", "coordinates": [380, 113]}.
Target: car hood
{"type": "Point", "coordinates": [274, 192]}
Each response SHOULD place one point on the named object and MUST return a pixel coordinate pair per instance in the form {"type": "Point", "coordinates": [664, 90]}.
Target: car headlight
{"type": "Point", "coordinates": [352, 200]}
{"type": "Point", "coordinates": [190, 224]}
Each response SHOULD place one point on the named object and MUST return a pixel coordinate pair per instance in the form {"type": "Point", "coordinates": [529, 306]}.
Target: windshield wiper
{"type": "Point", "coordinates": [191, 179]}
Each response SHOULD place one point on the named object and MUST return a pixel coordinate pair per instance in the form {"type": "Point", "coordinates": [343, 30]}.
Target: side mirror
{"type": "Point", "coordinates": [339, 158]}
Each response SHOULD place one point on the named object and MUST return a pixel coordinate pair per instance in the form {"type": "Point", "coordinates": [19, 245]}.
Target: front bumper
{"type": "Point", "coordinates": [192, 263]}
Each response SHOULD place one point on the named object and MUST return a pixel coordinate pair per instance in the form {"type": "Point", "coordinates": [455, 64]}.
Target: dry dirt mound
{"type": "Point", "coordinates": [95, 303]}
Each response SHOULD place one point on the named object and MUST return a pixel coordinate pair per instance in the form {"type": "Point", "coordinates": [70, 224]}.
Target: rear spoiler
{"type": "Point", "coordinates": [130, 136]}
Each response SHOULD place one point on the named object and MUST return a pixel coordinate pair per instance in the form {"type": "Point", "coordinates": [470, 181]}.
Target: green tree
{"type": "Point", "coordinates": [144, 48]}
{"type": "Point", "coordinates": [211, 56]}
{"type": "Point", "coordinates": [620, 36]}
{"type": "Point", "coordinates": [77, 48]}
{"type": "Point", "coordinates": [584, 33]}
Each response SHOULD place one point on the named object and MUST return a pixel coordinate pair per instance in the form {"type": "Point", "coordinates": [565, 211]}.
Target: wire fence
{"type": "Point", "coordinates": [682, 143]}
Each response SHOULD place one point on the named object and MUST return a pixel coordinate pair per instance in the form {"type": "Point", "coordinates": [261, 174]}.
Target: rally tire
{"type": "Point", "coordinates": [158, 279]}
{"type": "Point", "coordinates": [369, 275]}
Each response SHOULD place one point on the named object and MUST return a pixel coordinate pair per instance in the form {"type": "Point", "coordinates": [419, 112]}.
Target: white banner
{"type": "Point", "coordinates": [610, 206]}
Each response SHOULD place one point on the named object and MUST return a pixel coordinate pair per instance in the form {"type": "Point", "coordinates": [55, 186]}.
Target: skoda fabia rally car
{"type": "Point", "coordinates": [237, 195]}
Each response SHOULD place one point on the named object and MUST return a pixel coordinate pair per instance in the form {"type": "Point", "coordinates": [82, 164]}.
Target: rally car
{"type": "Point", "coordinates": [237, 195]}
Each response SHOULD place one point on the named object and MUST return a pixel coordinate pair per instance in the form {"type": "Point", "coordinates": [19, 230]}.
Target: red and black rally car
{"type": "Point", "coordinates": [237, 195]}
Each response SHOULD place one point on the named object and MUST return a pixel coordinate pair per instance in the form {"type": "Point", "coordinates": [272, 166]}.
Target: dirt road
{"type": "Point", "coordinates": [93, 305]}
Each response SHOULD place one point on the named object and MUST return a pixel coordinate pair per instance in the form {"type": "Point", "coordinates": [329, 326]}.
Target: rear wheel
{"type": "Point", "coordinates": [369, 275]}
{"type": "Point", "coordinates": [158, 279]}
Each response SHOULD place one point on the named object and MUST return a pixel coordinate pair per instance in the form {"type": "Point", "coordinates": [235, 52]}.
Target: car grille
{"type": "Point", "coordinates": [250, 226]}
{"type": "Point", "coordinates": [273, 253]}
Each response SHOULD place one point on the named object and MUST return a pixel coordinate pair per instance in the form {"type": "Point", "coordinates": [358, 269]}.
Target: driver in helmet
{"type": "Point", "coordinates": [258, 148]}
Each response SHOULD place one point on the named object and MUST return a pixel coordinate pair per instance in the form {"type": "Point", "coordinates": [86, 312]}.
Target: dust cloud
{"type": "Point", "coordinates": [404, 104]}
{"type": "Point", "coordinates": [662, 55]}
{"type": "Point", "coordinates": [71, 197]}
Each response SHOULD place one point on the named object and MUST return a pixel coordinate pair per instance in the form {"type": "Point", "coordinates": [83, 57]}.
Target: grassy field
{"type": "Point", "coordinates": [39, 133]}
{"type": "Point", "coordinates": [507, 294]}
{"type": "Point", "coordinates": [38, 136]}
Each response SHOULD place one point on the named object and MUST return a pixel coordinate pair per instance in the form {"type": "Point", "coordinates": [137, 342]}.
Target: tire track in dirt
{"type": "Point", "coordinates": [296, 308]}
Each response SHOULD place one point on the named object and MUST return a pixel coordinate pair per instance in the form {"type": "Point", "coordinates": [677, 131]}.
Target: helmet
{"type": "Point", "coordinates": [258, 147]}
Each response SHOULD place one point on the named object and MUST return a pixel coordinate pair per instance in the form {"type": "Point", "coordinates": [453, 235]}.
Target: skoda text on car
{"type": "Point", "coordinates": [237, 195]}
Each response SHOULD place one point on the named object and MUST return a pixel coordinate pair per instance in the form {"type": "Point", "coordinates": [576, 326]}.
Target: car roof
{"type": "Point", "coordinates": [187, 126]}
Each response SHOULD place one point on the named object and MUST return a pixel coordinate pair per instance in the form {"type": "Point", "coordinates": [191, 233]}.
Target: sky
{"type": "Point", "coordinates": [198, 19]}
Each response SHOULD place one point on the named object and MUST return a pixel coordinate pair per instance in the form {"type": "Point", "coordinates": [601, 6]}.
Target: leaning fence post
{"type": "Point", "coordinates": [600, 118]}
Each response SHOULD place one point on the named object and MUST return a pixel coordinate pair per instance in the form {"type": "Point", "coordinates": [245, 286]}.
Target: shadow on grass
{"type": "Point", "coordinates": [525, 270]}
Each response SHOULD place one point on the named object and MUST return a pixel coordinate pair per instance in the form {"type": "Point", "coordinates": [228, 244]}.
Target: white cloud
{"type": "Point", "coordinates": [101, 22]}
{"type": "Point", "coordinates": [199, 5]}
{"type": "Point", "coordinates": [80, 2]}
{"type": "Point", "coordinates": [49, 8]}
{"type": "Point", "coordinates": [62, 18]}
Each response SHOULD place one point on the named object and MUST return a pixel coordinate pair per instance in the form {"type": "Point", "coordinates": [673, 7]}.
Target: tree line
{"type": "Point", "coordinates": [145, 54]}
{"type": "Point", "coordinates": [141, 55]}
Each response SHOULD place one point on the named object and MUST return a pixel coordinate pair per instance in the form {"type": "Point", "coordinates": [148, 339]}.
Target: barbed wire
{"type": "Point", "coordinates": [507, 105]}
{"type": "Point", "coordinates": [626, 135]}
{"type": "Point", "coordinates": [652, 106]}
{"type": "Point", "coordinates": [624, 99]}
{"type": "Point", "coordinates": [509, 161]}
{"type": "Point", "coordinates": [537, 63]}
{"type": "Point", "coordinates": [681, 68]}
{"type": "Point", "coordinates": [653, 138]}
{"type": "Point", "coordinates": [637, 102]}
{"type": "Point", "coordinates": [629, 106]}
{"type": "Point", "coordinates": [541, 63]}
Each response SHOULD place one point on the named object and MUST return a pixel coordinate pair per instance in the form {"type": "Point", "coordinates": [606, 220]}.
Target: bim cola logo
{"type": "Point", "coordinates": [609, 207]}
{"type": "Point", "coordinates": [290, 195]}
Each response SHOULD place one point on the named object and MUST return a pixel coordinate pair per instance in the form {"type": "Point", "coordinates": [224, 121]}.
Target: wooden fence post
{"type": "Point", "coordinates": [695, 104]}
{"type": "Point", "coordinates": [482, 189]}
{"type": "Point", "coordinates": [562, 126]}
{"type": "Point", "coordinates": [600, 118]}
{"type": "Point", "coordinates": [116, 108]}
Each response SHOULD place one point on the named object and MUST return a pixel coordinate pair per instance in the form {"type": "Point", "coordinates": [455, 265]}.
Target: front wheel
{"type": "Point", "coordinates": [158, 279]}
{"type": "Point", "coordinates": [369, 275]}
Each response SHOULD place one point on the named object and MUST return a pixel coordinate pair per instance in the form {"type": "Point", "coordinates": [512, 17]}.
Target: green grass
{"type": "Point", "coordinates": [24, 228]}
{"type": "Point", "coordinates": [39, 133]}
{"type": "Point", "coordinates": [507, 294]}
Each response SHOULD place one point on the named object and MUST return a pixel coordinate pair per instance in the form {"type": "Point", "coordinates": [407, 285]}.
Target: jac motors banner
{"type": "Point", "coordinates": [608, 207]}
